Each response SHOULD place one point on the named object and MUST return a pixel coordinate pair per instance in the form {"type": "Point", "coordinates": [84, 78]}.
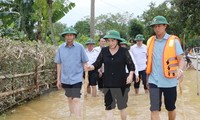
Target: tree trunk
{"type": "Point", "coordinates": [49, 2]}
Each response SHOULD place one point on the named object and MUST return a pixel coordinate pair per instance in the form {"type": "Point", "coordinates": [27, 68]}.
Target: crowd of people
{"type": "Point", "coordinates": [115, 65]}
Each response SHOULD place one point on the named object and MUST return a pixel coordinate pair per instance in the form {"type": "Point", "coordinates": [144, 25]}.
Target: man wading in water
{"type": "Point", "coordinates": [165, 65]}
{"type": "Point", "coordinates": [71, 59]}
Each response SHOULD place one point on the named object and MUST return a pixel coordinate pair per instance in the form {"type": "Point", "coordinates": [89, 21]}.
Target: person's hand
{"type": "Point", "coordinates": [88, 68]}
{"type": "Point", "coordinates": [180, 75]}
{"type": "Point", "coordinates": [129, 79]}
{"type": "Point", "coordinates": [147, 82]}
{"type": "Point", "coordinates": [147, 85]}
{"type": "Point", "coordinates": [137, 79]}
{"type": "Point", "coordinates": [59, 86]}
{"type": "Point", "coordinates": [100, 72]}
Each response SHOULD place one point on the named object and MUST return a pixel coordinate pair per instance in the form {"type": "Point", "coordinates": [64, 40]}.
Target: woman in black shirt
{"type": "Point", "coordinates": [116, 83]}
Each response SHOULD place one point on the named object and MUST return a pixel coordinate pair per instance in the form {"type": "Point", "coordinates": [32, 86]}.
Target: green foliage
{"type": "Point", "coordinates": [166, 10]}
{"type": "Point", "coordinates": [31, 19]}
{"type": "Point", "coordinates": [58, 29]}
{"type": "Point", "coordinates": [189, 10]}
{"type": "Point", "coordinates": [82, 39]}
{"type": "Point", "coordinates": [117, 22]}
{"type": "Point", "coordinates": [135, 27]}
{"type": "Point", "coordinates": [50, 12]}
{"type": "Point", "coordinates": [83, 27]}
{"type": "Point", "coordinates": [16, 14]}
{"type": "Point", "coordinates": [3, 116]}
{"type": "Point", "coordinates": [195, 42]}
{"type": "Point", "coordinates": [182, 17]}
{"type": "Point", "coordinates": [103, 23]}
{"type": "Point", "coordinates": [60, 10]}
{"type": "Point", "coordinates": [6, 17]}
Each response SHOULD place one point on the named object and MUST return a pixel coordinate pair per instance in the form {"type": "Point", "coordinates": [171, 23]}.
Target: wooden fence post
{"type": "Point", "coordinates": [36, 69]}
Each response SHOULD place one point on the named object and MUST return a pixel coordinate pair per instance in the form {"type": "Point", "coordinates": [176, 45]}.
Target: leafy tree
{"type": "Point", "coordinates": [195, 42]}
{"type": "Point", "coordinates": [188, 11]}
{"type": "Point", "coordinates": [118, 21]}
{"type": "Point", "coordinates": [135, 27]}
{"type": "Point", "coordinates": [83, 27]}
{"type": "Point", "coordinates": [167, 10]}
{"type": "Point", "coordinates": [50, 12]}
{"type": "Point", "coordinates": [58, 29]}
{"type": "Point", "coordinates": [182, 16]}
{"type": "Point", "coordinates": [49, 6]}
{"type": "Point", "coordinates": [32, 18]}
{"type": "Point", "coordinates": [47, 12]}
{"type": "Point", "coordinates": [15, 15]}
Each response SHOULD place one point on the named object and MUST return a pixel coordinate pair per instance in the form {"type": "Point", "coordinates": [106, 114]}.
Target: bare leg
{"type": "Point", "coordinates": [77, 107]}
{"type": "Point", "coordinates": [123, 114]}
{"type": "Point", "coordinates": [109, 115]}
{"type": "Point", "coordinates": [172, 115]}
{"type": "Point", "coordinates": [187, 66]}
{"type": "Point", "coordinates": [70, 106]}
{"type": "Point", "coordinates": [136, 91]}
{"type": "Point", "coordinates": [155, 115]}
{"type": "Point", "coordinates": [94, 91]}
{"type": "Point", "coordinates": [88, 89]}
{"type": "Point", "coordinates": [146, 91]}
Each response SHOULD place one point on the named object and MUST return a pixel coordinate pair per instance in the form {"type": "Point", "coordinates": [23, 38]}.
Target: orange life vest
{"type": "Point", "coordinates": [169, 59]}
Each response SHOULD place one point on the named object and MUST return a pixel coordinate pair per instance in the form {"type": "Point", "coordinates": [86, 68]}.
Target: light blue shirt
{"type": "Point", "coordinates": [157, 75]}
{"type": "Point", "coordinates": [71, 59]}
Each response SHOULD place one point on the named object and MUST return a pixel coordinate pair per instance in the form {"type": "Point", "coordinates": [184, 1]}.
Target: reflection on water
{"type": "Point", "coordinates": [53, 106]}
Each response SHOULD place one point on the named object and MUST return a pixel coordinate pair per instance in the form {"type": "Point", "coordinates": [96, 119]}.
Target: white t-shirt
{"type": "Point", "coordinates": [92, 55]}
{"type": "Point", "coordinates": [140, 56]}
{"type": "Point", "coordinates": [136, 70]}
{"type": "Point", "coordinates": [98, 48]}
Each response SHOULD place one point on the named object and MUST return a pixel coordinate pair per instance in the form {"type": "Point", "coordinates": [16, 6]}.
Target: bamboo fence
{"type": "Point", "coordinates": [27, 69]}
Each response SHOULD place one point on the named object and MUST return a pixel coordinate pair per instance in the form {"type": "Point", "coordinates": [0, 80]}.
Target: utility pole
{"type": "Point", "coordinates": [92, 19]}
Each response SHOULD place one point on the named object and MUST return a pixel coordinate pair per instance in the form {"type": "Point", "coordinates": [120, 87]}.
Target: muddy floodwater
{"type": "Point", "coordinates": [53, 105]}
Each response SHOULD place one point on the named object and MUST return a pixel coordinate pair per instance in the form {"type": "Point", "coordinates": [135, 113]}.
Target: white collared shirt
{"type": "Point", "coordinates": [140, 55]}
{"type": "Point", "coordinates": [136, 69]}
{"type": "Point", "coordinates": [98, 48]}
{"type": "Point", "coordinates": [92, 55]}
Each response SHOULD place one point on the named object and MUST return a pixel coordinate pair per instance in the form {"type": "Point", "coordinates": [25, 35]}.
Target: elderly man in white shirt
{"type": "Point", "coordinates": [102, 43]}
{"type": "Point", "coordinates": [125, 44]}
{"type": "Point", "coordinates": [93, 75]}
{"type": "Point", "coordinates": [139, 52]}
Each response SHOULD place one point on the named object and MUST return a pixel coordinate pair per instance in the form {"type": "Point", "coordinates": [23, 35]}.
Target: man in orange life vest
{"type": "Point", "coordinates": [165, 65]}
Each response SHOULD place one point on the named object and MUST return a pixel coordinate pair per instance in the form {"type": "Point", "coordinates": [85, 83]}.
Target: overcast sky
{"type": "Point", "coordinates": [82, 8]}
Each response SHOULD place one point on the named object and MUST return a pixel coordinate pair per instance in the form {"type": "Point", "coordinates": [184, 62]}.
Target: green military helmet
{"type": "Point", "coordinates": [89, 41]}
{"type": "Point", "coordinates": [139, 37]}
{"type": "Point", "coordinates": [113, 34]}
{"type": "Point", "coordinates": [159, 20]}
{"type": "Point", "coordinates": [69, 30]}
{"type": "Point", "coordinates": [124, 42]}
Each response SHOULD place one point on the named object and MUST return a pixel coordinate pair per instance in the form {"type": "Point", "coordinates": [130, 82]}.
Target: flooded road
{"type": "Point", "coordinates": [53, 105]}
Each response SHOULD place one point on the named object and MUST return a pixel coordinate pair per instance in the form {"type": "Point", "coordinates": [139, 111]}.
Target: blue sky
{"type": "Point", "coordinates": [82, 8]}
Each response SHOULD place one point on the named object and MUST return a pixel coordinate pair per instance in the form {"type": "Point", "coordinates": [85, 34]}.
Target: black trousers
{"type": "Point", "coordinates": [100, 82]}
